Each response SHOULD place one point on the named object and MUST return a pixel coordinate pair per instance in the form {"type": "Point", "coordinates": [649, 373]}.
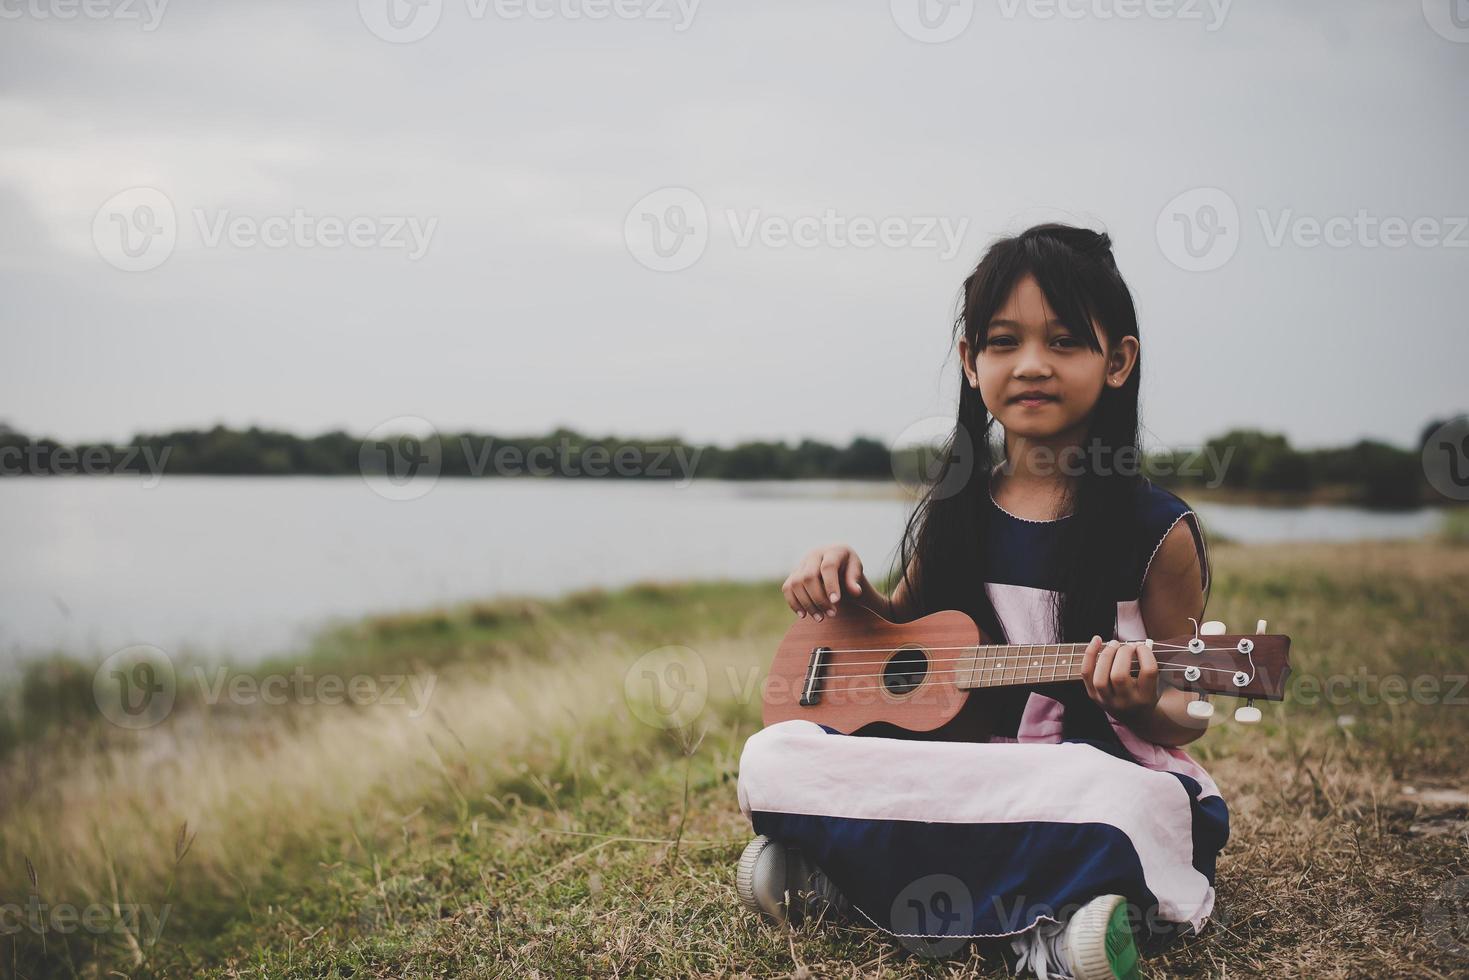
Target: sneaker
{"type": "Point", "coordinates": [778, 882]}
{"type": "Point", "coordinates": [1095, 944]}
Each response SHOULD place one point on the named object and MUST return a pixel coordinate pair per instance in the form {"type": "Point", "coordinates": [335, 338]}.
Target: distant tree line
{"type": "Point", "coordinates": [1374, 473]}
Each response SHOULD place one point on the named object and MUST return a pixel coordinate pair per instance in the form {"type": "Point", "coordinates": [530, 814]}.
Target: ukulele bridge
{"type": "Point", "coordinates": [815, 671]}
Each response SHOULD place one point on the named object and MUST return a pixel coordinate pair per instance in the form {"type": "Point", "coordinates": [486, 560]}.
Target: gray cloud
{"type": "Point", "coordinates": [529, 141]}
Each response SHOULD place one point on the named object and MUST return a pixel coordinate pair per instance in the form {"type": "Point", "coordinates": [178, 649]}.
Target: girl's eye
{"type": "Point", "coordinates": [1000, 341]}
{"type": "Point", "coordinates": [1068, 341]}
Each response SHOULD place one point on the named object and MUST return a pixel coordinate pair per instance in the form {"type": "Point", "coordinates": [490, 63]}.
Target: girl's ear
{"type": "Point", "coordinates": [964, 360]}
{"type": "Point", "coordinates": [1121, 361]}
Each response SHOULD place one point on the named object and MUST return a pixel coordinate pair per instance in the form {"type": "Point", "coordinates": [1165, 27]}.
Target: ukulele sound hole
{"type": "Point", "coordinates": [905, 671]}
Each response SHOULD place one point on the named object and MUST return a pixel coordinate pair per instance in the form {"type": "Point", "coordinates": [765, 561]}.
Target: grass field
{"type": "Point", "coordinates": [541, 817]}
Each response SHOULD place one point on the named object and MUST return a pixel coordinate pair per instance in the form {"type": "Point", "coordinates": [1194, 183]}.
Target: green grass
{"type": "Point", "coordinates": [532, 824]}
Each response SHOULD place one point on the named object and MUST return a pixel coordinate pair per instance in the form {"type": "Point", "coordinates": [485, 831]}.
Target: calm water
{"type": "Point", "coordinates": [242, 566]}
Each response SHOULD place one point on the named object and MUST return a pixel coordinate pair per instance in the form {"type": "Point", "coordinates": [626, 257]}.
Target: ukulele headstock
{"type": "Point", "coordinates": [1214, 661]}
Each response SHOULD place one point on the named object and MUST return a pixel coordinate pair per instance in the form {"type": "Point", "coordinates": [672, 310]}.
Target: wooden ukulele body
{"type": "Point", "coordinates": [904, 688]}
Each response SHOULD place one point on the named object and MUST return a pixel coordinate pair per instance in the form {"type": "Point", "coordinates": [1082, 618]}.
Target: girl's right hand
{"type": "Point", "coordinates": [821, 578]}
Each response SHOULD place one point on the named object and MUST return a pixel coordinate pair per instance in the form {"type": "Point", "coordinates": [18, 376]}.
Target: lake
{"type": "Point", "coordinates": [239, 567]}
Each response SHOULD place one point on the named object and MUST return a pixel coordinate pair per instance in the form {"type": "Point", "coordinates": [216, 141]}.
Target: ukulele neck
{"type": "Point", "coordinates": [1022, 663]}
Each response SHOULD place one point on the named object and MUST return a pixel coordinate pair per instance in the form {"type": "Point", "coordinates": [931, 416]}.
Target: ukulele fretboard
{"type": "Point", "coordinates": [1024, 663]}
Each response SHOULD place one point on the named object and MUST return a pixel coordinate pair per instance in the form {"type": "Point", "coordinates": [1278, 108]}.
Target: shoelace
{"type": "Point", "coordinates": [1040, 950]}
{"type": "Point", "coordinates": [821, 891]}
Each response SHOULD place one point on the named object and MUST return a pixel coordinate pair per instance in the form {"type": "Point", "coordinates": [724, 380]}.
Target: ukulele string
{"type": "Point", "coordinates": [1167, 664]}
{"type": "Point", "coordinates": [1015, 682]}
{"type": "Point", "coordinates": [1166, 648]}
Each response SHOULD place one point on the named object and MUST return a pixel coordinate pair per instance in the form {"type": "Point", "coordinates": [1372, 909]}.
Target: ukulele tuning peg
{"type": "Point", "coordinates": [1201, 709]}
{"type": "Point", "coordinates": [1260, 626]}
{"type": "Point", "coordinates": [1213, 628]}
{"type": "Point", "coordinates": [1247, 714]}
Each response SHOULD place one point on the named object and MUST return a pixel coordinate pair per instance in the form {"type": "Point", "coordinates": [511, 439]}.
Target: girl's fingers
{"type": "Point", "coordinates": [1122, 668]}
{"type": "Point", "coordinates": [1147, 675]}
{"type": "Point", "coordinates": [803, 596]}
{"type": "Point", "coordinates": [1089, 664]}
{"type": "Point", "coordinates": [831, 582]}
{"type": "Point", "coordinates": [1102, 673]}
{"type": "Point", "coordinates": [790, 597]}
{"type": "Point", "coordinates": [854, 574]}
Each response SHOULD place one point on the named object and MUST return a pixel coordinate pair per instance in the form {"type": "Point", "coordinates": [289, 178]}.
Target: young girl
{"type": "Point", "coordinates": [1080, 825]}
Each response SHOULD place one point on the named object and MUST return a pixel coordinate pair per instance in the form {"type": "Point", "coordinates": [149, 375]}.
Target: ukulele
{"type": "Point", "coordinates": [914, 679]}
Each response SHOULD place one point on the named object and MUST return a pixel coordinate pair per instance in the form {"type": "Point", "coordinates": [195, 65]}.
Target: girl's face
{"type": "Point", "coordinates": [1030, 351]}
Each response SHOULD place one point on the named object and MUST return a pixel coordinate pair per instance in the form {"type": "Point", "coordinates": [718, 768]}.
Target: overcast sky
{"type": "Point", "coordinates": [505, 275]}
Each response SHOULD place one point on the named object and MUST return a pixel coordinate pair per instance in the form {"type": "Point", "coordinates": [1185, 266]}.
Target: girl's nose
{"type": "Point", "coordinates": [1032, 367]}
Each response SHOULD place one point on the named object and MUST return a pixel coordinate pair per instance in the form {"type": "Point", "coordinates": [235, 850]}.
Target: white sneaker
{"type": "Point", "coordinates": [778, 882]}
{"type": "Point", "coordinates": [1094, 944]}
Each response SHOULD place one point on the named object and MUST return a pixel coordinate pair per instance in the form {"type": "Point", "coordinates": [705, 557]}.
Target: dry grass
{"type": "Point", "coordinates": [530, 824]}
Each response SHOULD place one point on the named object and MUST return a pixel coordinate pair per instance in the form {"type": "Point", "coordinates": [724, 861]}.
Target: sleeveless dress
{"type": "Point", "coordinates": [951, 841]}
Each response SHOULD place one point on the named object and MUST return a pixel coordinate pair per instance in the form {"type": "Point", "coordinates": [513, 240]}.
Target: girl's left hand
{"type": "Point", "coordinates": [1107, 673]}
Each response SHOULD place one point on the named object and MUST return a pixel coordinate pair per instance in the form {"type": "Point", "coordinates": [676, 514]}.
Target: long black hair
{"type": "Point", "coordinates": [1076, 270]}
